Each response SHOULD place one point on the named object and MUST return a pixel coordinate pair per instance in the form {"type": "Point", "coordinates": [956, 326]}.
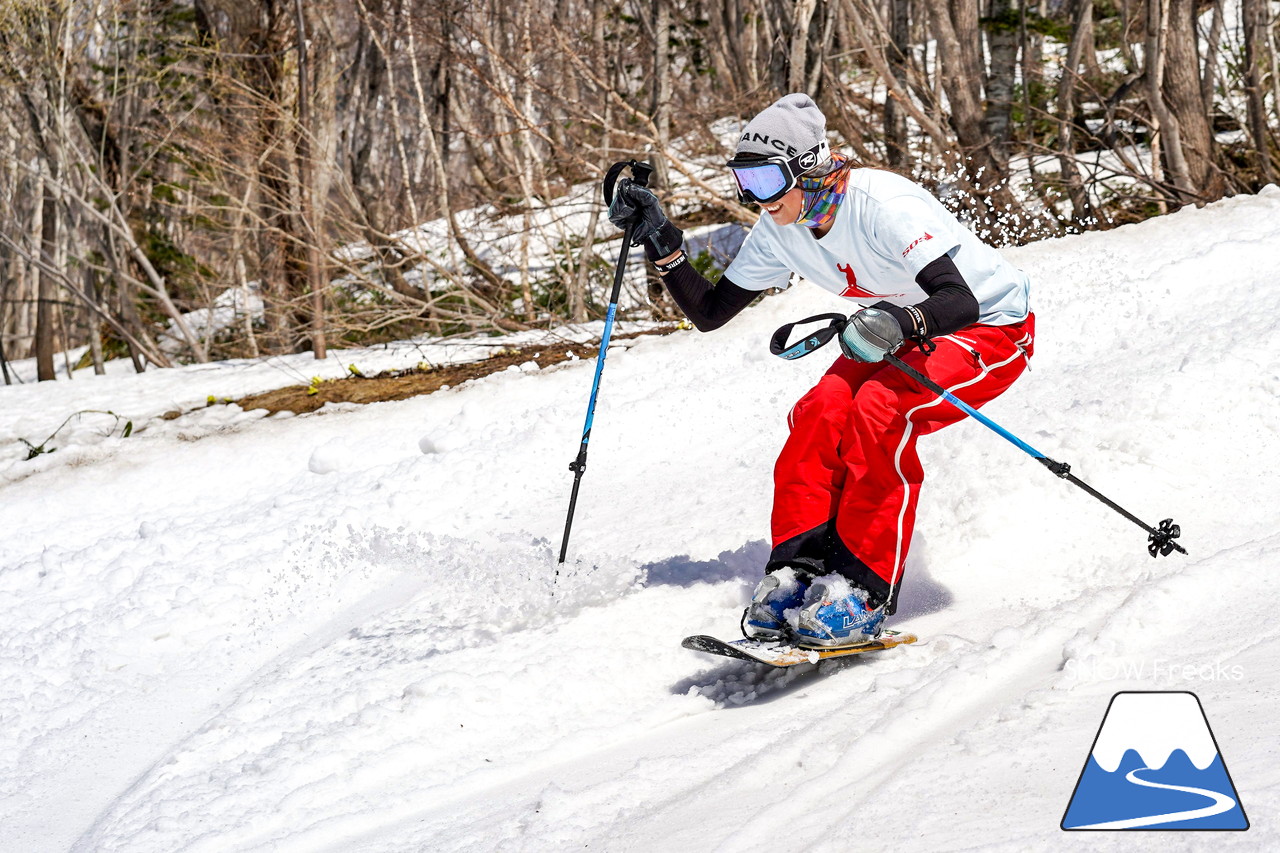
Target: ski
{"type": "Point", "coordinates": [783, 654]}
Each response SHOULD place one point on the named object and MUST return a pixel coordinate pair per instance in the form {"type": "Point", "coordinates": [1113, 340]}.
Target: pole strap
{"type": "Point", "coordinates": [640, 173]}
{"type": "Point", "coordinates": [816, 341]}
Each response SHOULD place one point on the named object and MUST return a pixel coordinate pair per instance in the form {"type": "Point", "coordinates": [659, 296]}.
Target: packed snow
{"type": "Point", "coordinates": [346, 631]}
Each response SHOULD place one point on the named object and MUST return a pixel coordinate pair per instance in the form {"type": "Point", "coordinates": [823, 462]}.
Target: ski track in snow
{"type": "Point", "coordinates": [209, 646]}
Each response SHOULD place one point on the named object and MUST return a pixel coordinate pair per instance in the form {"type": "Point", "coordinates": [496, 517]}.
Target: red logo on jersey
{"type": "Point", "coordinates": [927, 236]}
{"type": "Point", "coordinates": [851, 279]}
{"type": "Point", "coordinates": [855, 291]}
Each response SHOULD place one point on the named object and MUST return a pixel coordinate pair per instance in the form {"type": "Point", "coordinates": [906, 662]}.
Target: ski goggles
{"type": "Point", "coordinates": [766, 181]}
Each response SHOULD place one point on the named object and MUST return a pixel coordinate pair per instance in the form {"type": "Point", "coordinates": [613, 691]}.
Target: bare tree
{"type": "Point", "coordinates": [1181, 92]}
{"type": "Point", "coordinates": [1081, 37]}
{"type": "Point", "coordinates": [1256, 26]}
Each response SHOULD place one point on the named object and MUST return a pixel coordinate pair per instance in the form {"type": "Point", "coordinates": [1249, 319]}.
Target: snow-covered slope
{"type": "Point", "coordinates": [207, 645]}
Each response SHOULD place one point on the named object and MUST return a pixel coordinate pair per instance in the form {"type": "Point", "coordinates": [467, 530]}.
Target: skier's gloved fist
{"type": "Point", "coordinates": [869, 335]}
{"type": "Point", "coordinates": [634, 204]}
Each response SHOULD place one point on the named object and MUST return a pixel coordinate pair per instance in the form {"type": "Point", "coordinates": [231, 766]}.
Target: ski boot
{"type": "Point", "coordinates": [835, 614]}
{"type": "Point", "coordinates": [779, 591]}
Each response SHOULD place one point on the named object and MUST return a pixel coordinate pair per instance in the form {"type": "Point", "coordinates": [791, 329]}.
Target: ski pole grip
{"type": "Point", "coordinates": [640, 173]}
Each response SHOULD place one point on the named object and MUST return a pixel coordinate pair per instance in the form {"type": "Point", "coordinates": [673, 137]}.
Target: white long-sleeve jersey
{"type": "Point", "coordinates": [887, 229]}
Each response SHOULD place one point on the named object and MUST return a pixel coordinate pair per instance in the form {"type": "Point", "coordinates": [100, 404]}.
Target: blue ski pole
{"type": "Point", "coordinates": [1161, 539]}
{"type": "Point", "coordinates": [640, 173]}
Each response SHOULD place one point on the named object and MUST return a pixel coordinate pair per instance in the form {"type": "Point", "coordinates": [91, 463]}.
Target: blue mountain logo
{"type": "Point", "coordinates": [1155, 765]}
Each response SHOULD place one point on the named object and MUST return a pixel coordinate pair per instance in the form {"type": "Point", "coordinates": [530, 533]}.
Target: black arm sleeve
{"type": "Point", "coordinates": [951, 304]}
{"type": "Point", "coordinates": [707, 306]}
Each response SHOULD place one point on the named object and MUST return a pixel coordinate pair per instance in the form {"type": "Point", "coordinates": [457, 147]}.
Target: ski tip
{"type": "Point", "coordinates": [700, 642]}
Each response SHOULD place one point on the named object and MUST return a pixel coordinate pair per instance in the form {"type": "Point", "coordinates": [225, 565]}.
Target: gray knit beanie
{"type": "Point", "coordinates": [791, 124]}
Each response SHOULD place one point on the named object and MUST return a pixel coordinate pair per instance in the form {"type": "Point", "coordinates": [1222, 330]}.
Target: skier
{"type": "Point", "coordinates": [847, 481]}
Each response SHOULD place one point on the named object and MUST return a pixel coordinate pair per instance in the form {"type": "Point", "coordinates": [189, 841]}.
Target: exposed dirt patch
{"type": "Point", "coordinates": [403, 384]}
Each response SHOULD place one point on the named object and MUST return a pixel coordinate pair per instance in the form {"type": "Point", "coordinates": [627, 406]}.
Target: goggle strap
{"type": "Point", "coordinates": [820, 152]}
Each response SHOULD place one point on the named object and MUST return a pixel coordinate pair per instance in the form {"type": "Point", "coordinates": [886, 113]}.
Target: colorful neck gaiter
{"type": "Point", "coordinates": [822, 196]}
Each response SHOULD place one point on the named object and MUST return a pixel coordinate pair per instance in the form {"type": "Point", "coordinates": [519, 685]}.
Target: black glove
{"type": "Point", "coordinates": [870, 335]}
{"type": "Point", "coordinates": [634, 204]}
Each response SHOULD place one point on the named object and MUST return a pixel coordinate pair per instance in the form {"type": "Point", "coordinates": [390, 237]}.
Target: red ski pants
{"type": "Point", "coordinates": [848, 479]}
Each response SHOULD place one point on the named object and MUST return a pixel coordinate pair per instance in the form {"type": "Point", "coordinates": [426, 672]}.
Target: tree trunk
{"type": "Point", "coordinates": [895, 114]}
{"type": "Point", "coordinates": [1182, 93]}
{"type": "Point", "coordinates": [8, 264]}
{"type": "Point", "coordinates": [4, 362]}
{"type": "Point", "coordinates": [46, 290]}
{"type": "Point", "coordinates": [962, 88]}
{"type": "Point", "coordinates": [578, 283]}
{"type": "Point", "coordinates": [1274, 54]}
{"type": "Point", "coordinates": [1208, 81]}
{"type": "Point", "coordinates": [802, 15]}
{"type": "Point", "coordinates": [660, 303]}
{"type": "Point", "coordinates": [1255, 16]}
{"type": "Point", "coordinates": [1167, 135]}
{"type": "Point", "coordinates": [1033, 83]}
{"type": "Point", "coordinates": [817, 62]}
{"type": "Point", "coordinates": [93, 325]}
{"type": "Point", "coordinates": [1002, 38]}
{"type": "Point", "coordinates": [662, 89]}
{"type": "Point", "coordinates": [1082, 16]}
{"type": "Point", "coordinates": [312, 203]}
